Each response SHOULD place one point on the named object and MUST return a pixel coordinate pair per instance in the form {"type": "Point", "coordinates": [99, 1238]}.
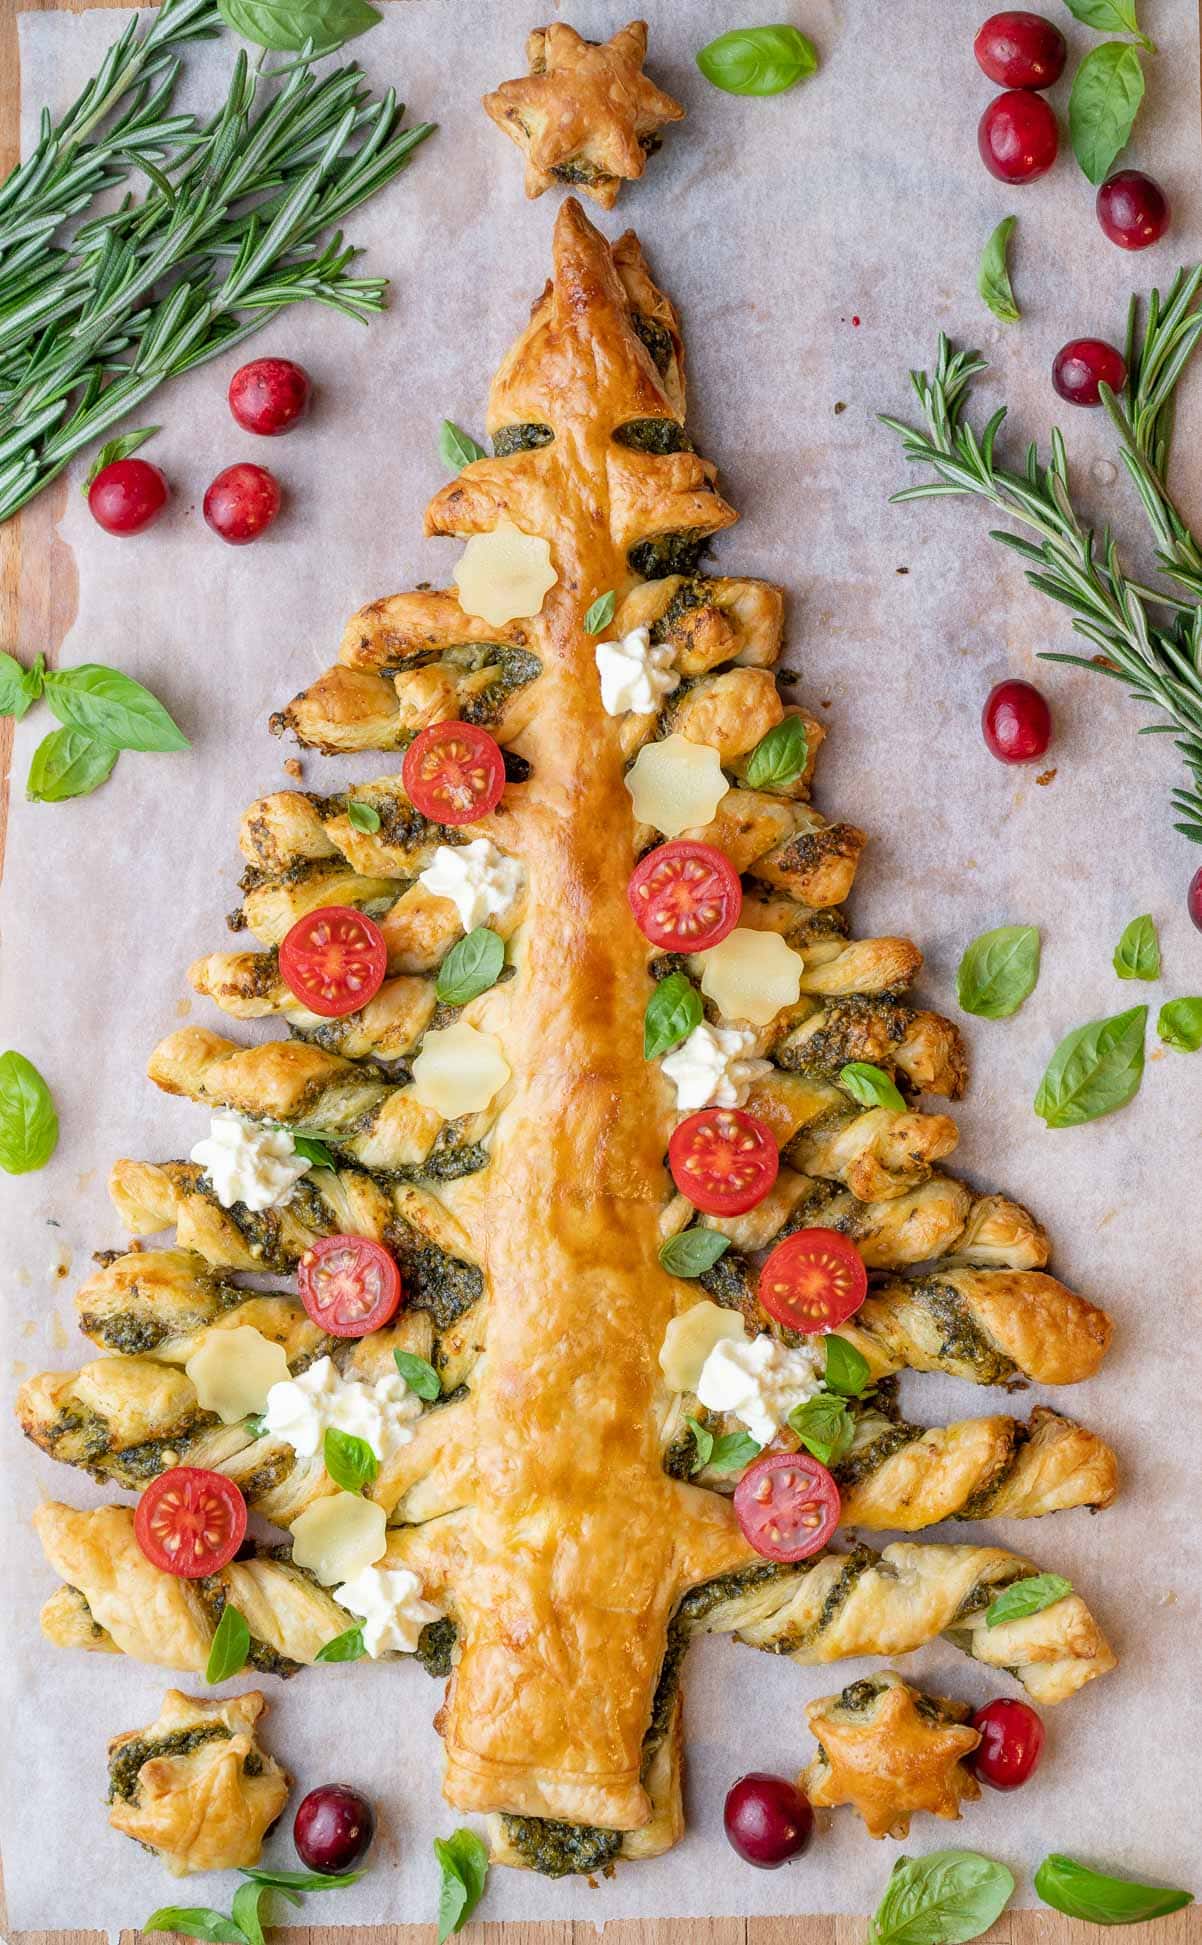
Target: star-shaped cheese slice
{"type": "Point", "coordinates": [504, 575]}
{"type": "Point", "coordinates": [889, 1751]}
{"type": "Point", "coordinates": [676, 785]}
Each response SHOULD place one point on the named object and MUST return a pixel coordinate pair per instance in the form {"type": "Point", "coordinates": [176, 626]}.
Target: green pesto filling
{"type": "Point", "coordinates": [520, 438]}
{"type": "Point", "coordinates": [432, 1279]}
{"type": "Point", "coordinates": [858, 1466]}
{"type": "Point", "coordinates": [664, 554]}
{"type": "Point", "coordinates": [656, 338]}
{"type": "Point", "coordinates": [559, 1849]}
{"type": "Point", "coordinates": [659, 436]}
{"type": "Point", "coordinates": [435, 1646]}
{"type": "Point", "coordinates": [126, 1764]}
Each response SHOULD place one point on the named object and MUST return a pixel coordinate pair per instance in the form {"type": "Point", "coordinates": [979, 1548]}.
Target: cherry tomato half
{"type": "Point", "coordinates": [334, 960]}
{"type": "Point", "coordinates": [724, 1160]}
{"type": "Point", "coordinates": [453, 773]}
{"type": "Point", "coordinates": [1011, 1743]}
{"type": "Point", "coordinates": [348, 1284]}
{"type": "Point", "coordinates": [787, 1506]}
{"type": "Point", "coordinates": [685, 896]}
{"type": "Point", "coordinates": [190, 1522]}
{"type": "Point", "coordinates": [813, 1281]}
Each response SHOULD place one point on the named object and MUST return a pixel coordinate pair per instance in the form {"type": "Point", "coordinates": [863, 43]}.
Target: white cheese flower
{"type": "Point", "coordinates": [480, 881]}
{"type": "Point", "coordinates": [714, 1067]}
{"type": "Point", "coordinates": [633, 674]}
{"type": "Point", "coordinates": [759, 1380]}
{"type": "Point", "coordinates": [390, 1604]}
{"type": "Point", "coordinates": [247, 1163]}
{"type": "Point", "coordinates": [301, 1410]}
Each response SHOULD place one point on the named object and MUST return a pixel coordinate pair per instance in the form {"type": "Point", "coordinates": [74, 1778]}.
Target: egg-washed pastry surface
{"type": "Point", "coordinates": [546, 1495]}
{"type": "Point", "coordinates": [195, 1785]}
{"type": "Point", "coordinates": [888, 1750]}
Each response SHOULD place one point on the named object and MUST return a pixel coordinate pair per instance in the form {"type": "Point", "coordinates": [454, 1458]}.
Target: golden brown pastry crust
{"type": "Point", "coordinates": [203, 1793]}
{"type": "Point", "coordinates": [889, 1751]}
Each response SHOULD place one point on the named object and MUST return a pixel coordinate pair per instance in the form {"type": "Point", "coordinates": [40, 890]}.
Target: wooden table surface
{"type": "Point", "coordinates": [37, 605]}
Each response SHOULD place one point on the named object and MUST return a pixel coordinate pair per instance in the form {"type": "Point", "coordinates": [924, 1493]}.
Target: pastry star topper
{"type": "Point", "coordinates": [586, 114]}
{"type": "Point", "coordinates": [892, 1759]}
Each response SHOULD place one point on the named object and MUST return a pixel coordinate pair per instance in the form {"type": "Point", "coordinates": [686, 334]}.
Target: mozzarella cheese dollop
{"type": "Point", "coordinates": [634, 676]}
{"type": "Point", "coordinates": [233, 1371]}
{"type": "Point", "coordinates": [759, 1381]}
{"type": "Point", "coordinates": [691, 1337]}
{"type": "Point", "coordinates": [303, 1409]}
{"type": "Point", "coordinates": [714, 1068]}
{"type": "Point", "coordinates": [389, 1602]}
{"type": "Point", "coordinates": [504, 575]}
{"type": "Point", "coordinates": [336, 1538]}
{"type": "Point", "coordinates": [459, 1070]}
{"type": "Point", "coordinates": [676, 785]}
{"type": "Point", "coordinates": [480, 881]}
{"type": "Point", "coordinates": [751, 975]}
{"type": "Point", "coordinates": [247, 1163]}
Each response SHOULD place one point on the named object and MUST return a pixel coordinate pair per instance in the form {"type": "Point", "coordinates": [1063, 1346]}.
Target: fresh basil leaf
{"type": "Point", "coordinates": [691, 1251]}
{"type": "Point", "coordinates": [601, 613]}
{"type": "Point", "coordinates": [998, 971]}
{"type": "Point", "coordinates": [847, 1370]}
{"type": "Point", "coordinates": [993, 277]}
{"type": "Point", "coordinates": [19, 686]}
{"type": "Point", "coordinates": [121, 448]}
{"type": "Point", "coordinates": [1110, 17]}
{"type": "Point", "coordinates": [418, 1375]}
{"type": "Point", "coordinates": [457, 448]}
{"type": "Point", "coordinates": [362, 816]}
{"type": "Point", "coordinates": [825, 1427]}
{"type": "Point", "coordinates": [673, 1010]}
{"type": "Point", "coordinates": [1107, 90]}
{"type": "Point", "coordinates": [463, 1865]}
{"type": "Point", "coordinates": [733, 1451]}
{"type": "Point", "coordinates": [1025, 1597]}
{"type": "Point", "coordinates": [196, 1921]}
{"type": "Point", "coordinates": [230, 1646]}
{"type": "Point", "coordinates": [246, 1910]}
{"type": "Point", "coordinates": [112, 707]}
{"type": "Point", "coordinates": [758, 60]}
{"type": "Point", "coordinates": [1180, 1024]}
{"type": "Point", "coordinates": [1137, 954]}
{"type": "Point", "coordinates": [28, 1122]}
{"type": "Point", "coordinates": [471, 966]}
{"type": "Point", "coordinates": [299, 1880]}
{"type": "Point", "coordinates": [348, 1646]}
{"type": "Point", "coordinates": [780, 756]}
{"type": "Point", "coordinates": [286, 25]}
{"type": "Point", "coordinates": [940, 1899]}
{"type": "Point", "coordinates": [1095, 1069]}
{"type": "Point", "coordinates": [68, 763]}
{"type": "Point", "coordinates": [1101, 1900]}
{"type": "Point", "coordinates": [256, 1424]}
{"type": "Point", "coordinates": [870, 1086]}
{"type": "Point", "coordinates": [310, 1149]}
{"type": "Point", "coordinates": [703, 1439]}
{"type": "Point", "coordinates": [350, 1461]}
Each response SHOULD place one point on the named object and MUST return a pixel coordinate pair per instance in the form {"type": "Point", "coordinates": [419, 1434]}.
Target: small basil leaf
{"type": "Point", "coordinates": [19, 686]}
{"type": "Point", "coordinates": [871, 1087]}
{"type": "Point", "coordinates": [348, 1646]}
{"type": "Point", "coordinates": [116, 449]}
{"type": "Point", "coordinates": [418, 1375]}
{"type": "Point", "coordinates": [112, 707]}
{"type": "Point", "coordinates": [285, 25]}
{"type": "Point", "coordinates": [1028, 1596]}
{"type": "Point", "coordinates": [471, 966]}
{"type": "Point", "coordinates": [230, 1646]}
{"type": "Point", "coordinates": [703, 1439]}
{"type": "Point", "coordinates": [693, 1250]}
{"type": "Point", "coordinates": [601, 613]}
{"type": "Point", "coordinates": [310, 1149]}
{"type": "Point", "coordinates": [847, 1370]}
{"type": "Point", "coordinates": [1137, 954]}
{"type": "Point", "coordinates": [1095, 1069]}
{"type": "Point", "coordinates": [68, 763]}
{"type": "Point", "coordinates": [196, 1921]}
{"type": "Point", "coordinates": [28, 1121]}
{"type": "Point", "coordinates": [993, 277]}
{"type": "Point", "coordinates": [1180, 1024]}
{"type": "Point", "coordinates": [1110, 17]}
{"type": "Point", "coordinates": [673, 1010]}
{"type": "Point", "coordinates": [256, 1424]}
{"type": "Point", "coordinates": [246, 1914]}
{"type": "Point", "coordinates": [350, 1461]}
{"type": "Point", "coordinates": [825, 1427]}
{"type": "Point", "coordinates": [998, 971]}
{"type": "Point", "coordinates": [299, 1880]}
{"type": "Point", "coordinates": [780, 756]}
{"type": "Point", "coordinates": [758, 60]}
{"type": "Point", "coordinates": [1101, 1900]}
{"type": "Point", "coordinates": [944, 1898]}
{"type": "Point", "coordinates": [457, 448]}
{"type": "Point", "coordinates": [733, 1451]}
{"type": "Point", "coordinates": [1107, 90]}
{"type": "Point", "coordinates": [362, 816]}
{"type": "Point", "coordinates": [463, 1868]}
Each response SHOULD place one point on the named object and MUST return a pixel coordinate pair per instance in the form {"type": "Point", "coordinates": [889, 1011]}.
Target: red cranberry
{"type": "Point", "coordinates": [1018, 136]}
{"type": "Point", "coordinates": [1017, 722]}
{"type": "Point", "coordinates": [1011, 1743]}
{"type": "Point", "coordinates": [333, 1828]}
{"type": "Point", "coordinates": [269, 395]}
{"type": "Point", "coordinates": [1193, 898]}
{"type": "Point", "coordinates": [1133, 210]}
{"type": "Point", "coordinates": [127, 496]}
{"type": "Point", "coordinates": [1021, 50]}
{"type": "Point", "coordinates": [242, 502]}
{"type": "Point", "coordinates": [1082, 365]}
{"type": "Point", "coordinates": [768, 1820]}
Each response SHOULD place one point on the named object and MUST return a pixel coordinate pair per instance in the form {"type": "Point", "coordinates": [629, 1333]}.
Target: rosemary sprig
{"type": "Point", "coordinates": [1158, 655]}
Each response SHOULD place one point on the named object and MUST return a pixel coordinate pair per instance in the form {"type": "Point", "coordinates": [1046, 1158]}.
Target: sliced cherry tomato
{"type": "Point", "coordinates": [348, 1284]}
{"type": "Point", "coordinates": [813, 1281]}
{"type": "Point", "coordinates": [190, 1522]}
{"type": "Point", "coordinates": [685, 896]}
{"type": "Point", "coordinates": [724, 1160]}
{"type": "Point", "coordinates": [453, 773]}
{"type": "Point", "coordinates": [334, 960]}
{"type": "Point", "coordinates": [787, 1506]}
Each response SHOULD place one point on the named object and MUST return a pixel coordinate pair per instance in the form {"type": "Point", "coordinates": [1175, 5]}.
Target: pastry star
{"type": "Point", "coordinates": [585, 114]}
{"type": "Point", "coordinates": [891, 1758]}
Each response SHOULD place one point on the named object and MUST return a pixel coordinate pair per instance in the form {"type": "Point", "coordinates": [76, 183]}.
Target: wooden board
{"type": "Point", "coordinates": [38, 590]}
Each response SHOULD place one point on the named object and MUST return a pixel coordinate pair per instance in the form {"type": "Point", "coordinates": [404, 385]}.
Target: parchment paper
{"type": "Point", "coordinates": [816, 244]}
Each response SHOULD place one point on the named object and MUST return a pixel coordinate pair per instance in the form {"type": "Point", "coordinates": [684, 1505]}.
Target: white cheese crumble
{"type": "Point", "coordinates": [301, 1410]}
{"type": "Point", "coordinates": [389, 1602]}
{"type": "Point", "coordinates": [480, 881]}
{"type": "Point", "coordinates": [248, 1163]}
{"type": "Point", "coordinates": [633, 674]}
{"type": "Point", "coordinates": [715, 1068]}
{"type": "Point", "coordinates": [759, 1380]}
